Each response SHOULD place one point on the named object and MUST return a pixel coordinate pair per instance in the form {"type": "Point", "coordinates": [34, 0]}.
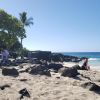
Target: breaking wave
{"type": "Point", "coordinates": [94, 58]}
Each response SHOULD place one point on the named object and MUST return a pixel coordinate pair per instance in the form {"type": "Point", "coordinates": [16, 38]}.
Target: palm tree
{"type": "Point", "coordinates": [25, 22]}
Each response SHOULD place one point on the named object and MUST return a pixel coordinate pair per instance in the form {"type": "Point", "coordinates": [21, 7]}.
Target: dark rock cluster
{"type": "Point", "coordinates": [44, 61]}
{"type": "Point", "coordinates": [40, 69]}
{"type": "Point", "coordinates": [56, 57]}
{"type": "Point", "coordinates": [10, 72]}
{"type": "Point", "coordinates": [40, 57]}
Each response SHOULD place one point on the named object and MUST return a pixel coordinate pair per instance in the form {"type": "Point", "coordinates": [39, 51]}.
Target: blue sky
{"type": "Point", "coordinates": [59, 25]}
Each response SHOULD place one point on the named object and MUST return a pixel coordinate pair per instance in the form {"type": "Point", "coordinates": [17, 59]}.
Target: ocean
{"type": "Point", "coordinates": [94, 57]}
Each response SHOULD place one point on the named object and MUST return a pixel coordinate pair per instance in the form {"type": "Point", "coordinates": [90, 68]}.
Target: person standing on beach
{"type": "Point", "coordinates": [5, 55]}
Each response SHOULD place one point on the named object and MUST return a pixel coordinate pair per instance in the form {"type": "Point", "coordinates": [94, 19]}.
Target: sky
{"type": "Point", "coordinates": [59, 25]}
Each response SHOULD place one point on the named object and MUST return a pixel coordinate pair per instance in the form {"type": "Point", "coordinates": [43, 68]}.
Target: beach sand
{"type": "Point", "coordinates": [55, 87]}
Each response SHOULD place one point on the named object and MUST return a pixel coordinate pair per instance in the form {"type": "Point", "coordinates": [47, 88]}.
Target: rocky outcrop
{"type": "Point", "coordinates": [41, 57]}
{"type": "Point", "coordinates": [69, 72]}
{"type": "Point", "coordinates": [40, 69]}
{"type": "Point", "coordinates": [56, 57]}
{"type": "Point", "coordinates": [54, 66]}
{"type": "Point", "coordinates": [68, 58]}
{"type": "Point", "coordinates": [10, 72]}
{"type": "Point", "coordinates": [44, 55]}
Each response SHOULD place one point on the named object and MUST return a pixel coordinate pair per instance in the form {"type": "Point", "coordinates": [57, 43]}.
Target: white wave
{"type": "Point", "coordinates": [94, 59]}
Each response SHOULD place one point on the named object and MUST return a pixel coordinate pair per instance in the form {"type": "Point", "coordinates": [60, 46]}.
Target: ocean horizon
{"type": "Point", "coordinates": [94, 57]}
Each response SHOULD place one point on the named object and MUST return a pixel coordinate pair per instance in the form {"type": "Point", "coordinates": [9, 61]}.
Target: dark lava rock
{"type": "Point", "coordinates": [23, 93]}
{"type": "Point", "coordinates": [92, 87]}
{"type": "Point", "coordinates": [55, 66]}
{"type": "Point", "coordinates": [57, 57]}
{"type": "Point", "coordinates": [68, 58]}
{"type": "Point", "coordinates": [44, 55]}
{"type": "Point", "coordinates": [69, 72]}
{"type": "Point", "coordinates": [40, 69]}
{"type": "Point", "coordinates": [10, 72]}
{"type": "Point", "coordinates": [4, 86]}
{"type": "Point", "coordinates": [35, 61]}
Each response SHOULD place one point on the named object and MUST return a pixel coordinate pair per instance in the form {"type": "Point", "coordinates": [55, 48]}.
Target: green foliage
{"type": "Point", "coordinates": [7, 39]}
{"type": "Point", "coordinates": [10, 29]}
{"type": "Point", "coordinates": [25, 21]}
{"type": "Point", "coordinates": [16, 46]}
{"type": "Point", "coordinates": [10, 24]}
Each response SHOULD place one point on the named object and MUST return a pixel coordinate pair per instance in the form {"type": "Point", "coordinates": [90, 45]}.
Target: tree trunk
{"type": "Point", "coordinates": [21, 48]}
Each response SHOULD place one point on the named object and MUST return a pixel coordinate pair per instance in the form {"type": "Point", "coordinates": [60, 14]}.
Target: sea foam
{"type": "Point", "coordinates": [94, 58]}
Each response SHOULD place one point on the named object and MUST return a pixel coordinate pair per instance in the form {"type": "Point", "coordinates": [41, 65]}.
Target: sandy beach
{"type": "Point", "coordinates": [55, 87]}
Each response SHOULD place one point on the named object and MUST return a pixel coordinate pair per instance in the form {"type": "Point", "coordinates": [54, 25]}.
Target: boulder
{"type": "Point", "coordinates": [24, 92]}
{"type": "Point", "coordinates": [55, 67]}
{"type": "Point", "coordinates": [10, 72]}
{"type": "Point", "coordinates": [69, 72]}
{"type": "Point", "coordinates": [41, 70]}
{"type": "Point", "coordinates": [92, 87]}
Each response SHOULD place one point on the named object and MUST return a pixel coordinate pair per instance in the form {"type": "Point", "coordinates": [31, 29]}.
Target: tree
{"type": "Point", "coordinates": [16, 46]}
{"type": "Point", "coordinates": [25, 22]}
{"type": "Point", "coordinates": [10, 29]}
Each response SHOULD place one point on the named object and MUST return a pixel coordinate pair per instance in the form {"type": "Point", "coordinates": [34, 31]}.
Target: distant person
{"type": "Point", "coordinates": [85, 65]}
{"type": "Point", "coordinates": [5, 54]}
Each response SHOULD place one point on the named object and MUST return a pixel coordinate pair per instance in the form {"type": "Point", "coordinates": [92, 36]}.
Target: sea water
{"type": "Point", "coordinates": [94, 57]}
